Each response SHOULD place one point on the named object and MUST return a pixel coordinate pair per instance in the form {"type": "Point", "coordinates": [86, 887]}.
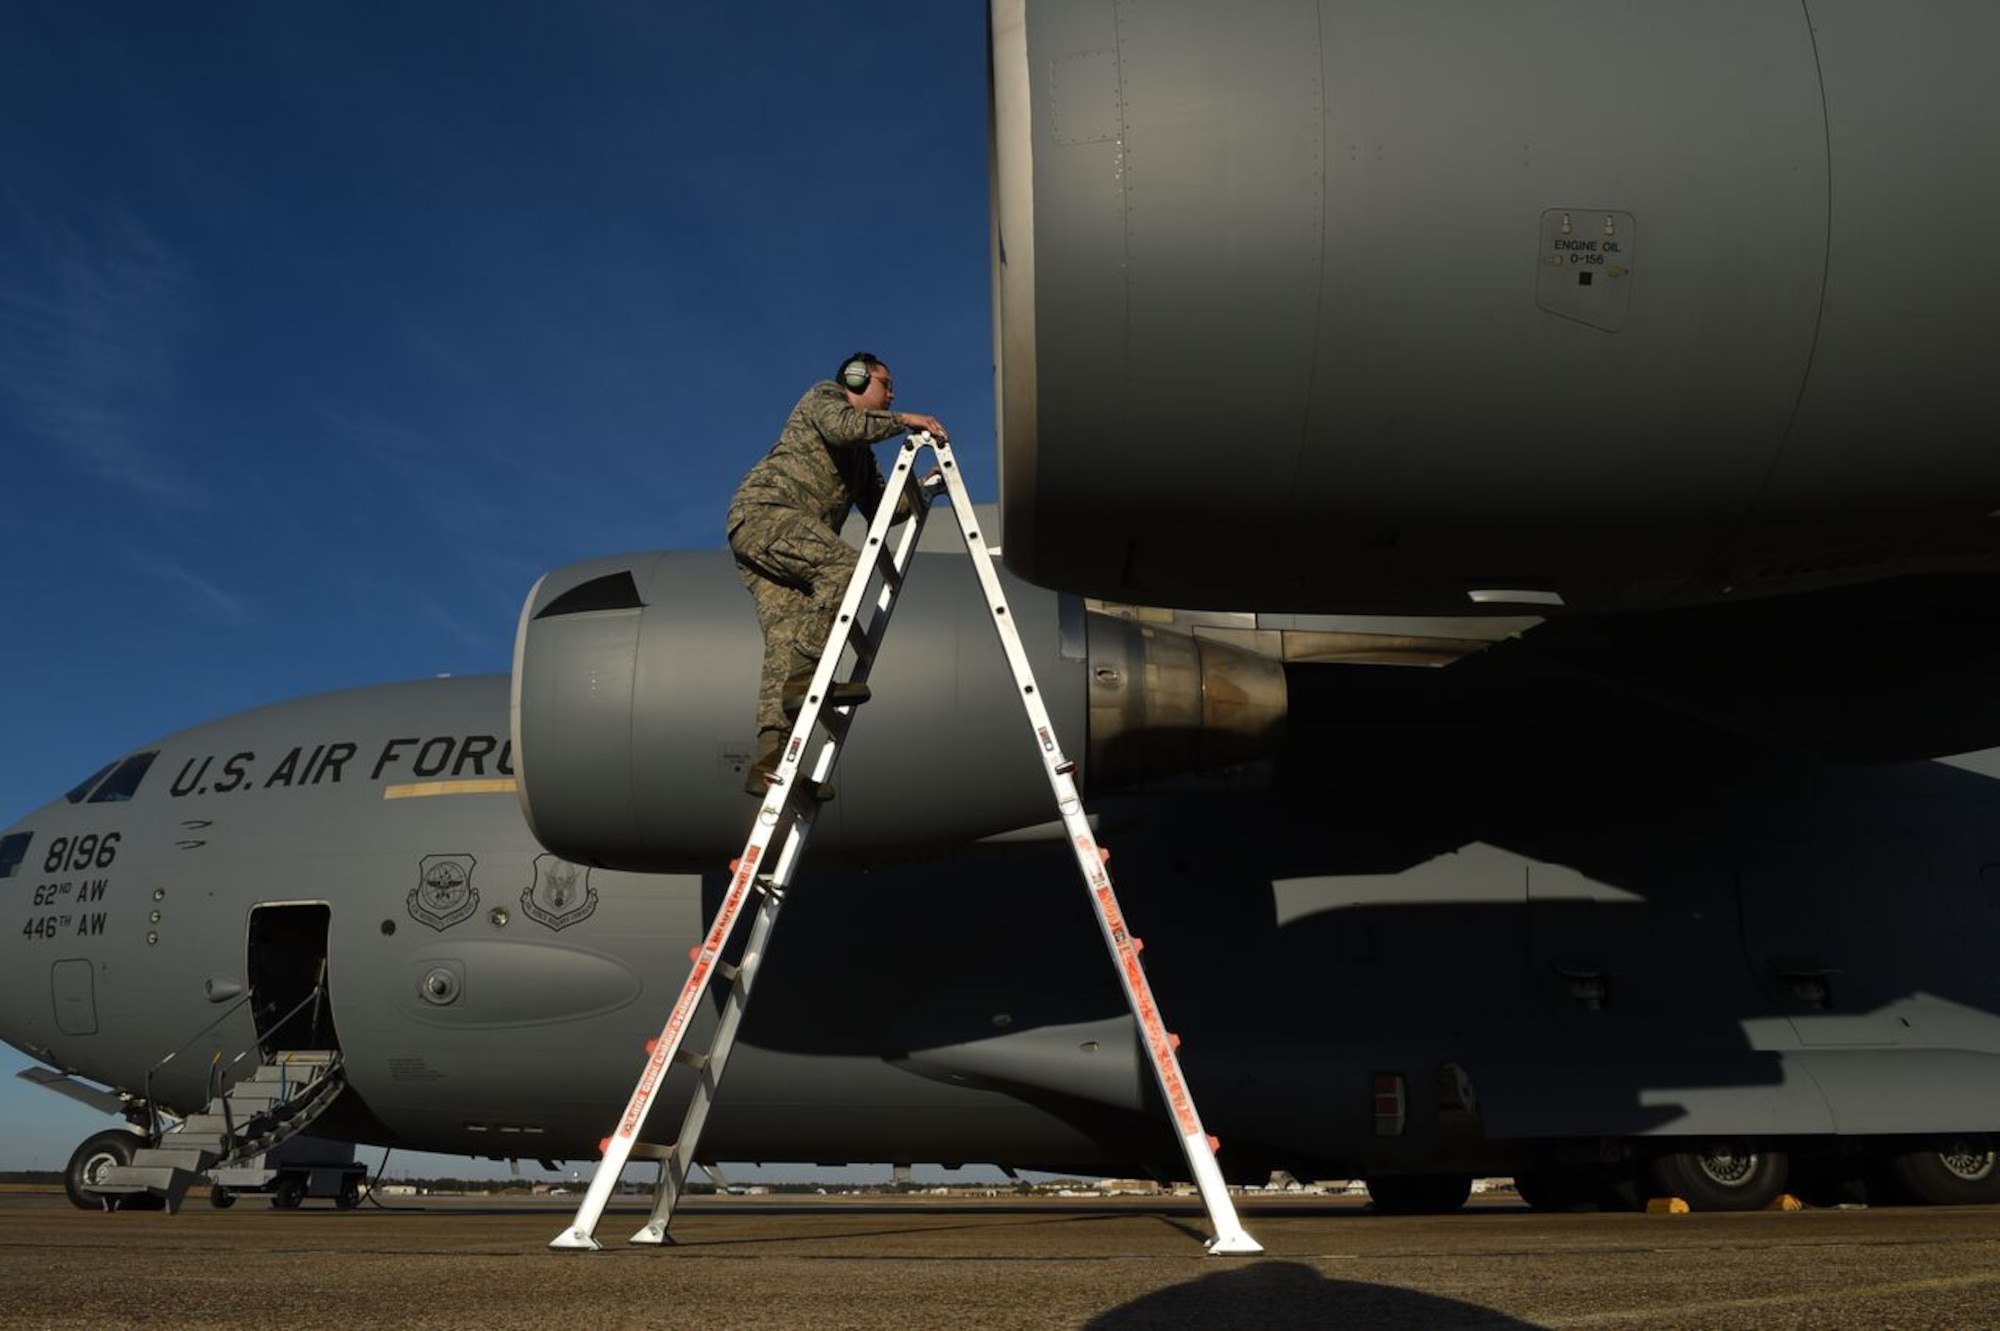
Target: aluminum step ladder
{"type": "Point", "coordinates": [786, 818]}
{"type": "Point", "coordinates": [278, 1101]}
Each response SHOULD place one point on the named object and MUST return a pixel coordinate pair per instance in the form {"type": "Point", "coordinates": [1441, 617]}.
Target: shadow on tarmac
{"type": "Point", "coordinates": [1287, 1294]}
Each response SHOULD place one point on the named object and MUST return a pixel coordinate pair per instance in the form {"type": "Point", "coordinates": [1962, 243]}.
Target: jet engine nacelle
{"type": "Point", "coordinates": [1320, 305]}
{"type": "Point", "coordinates": [635, 681]}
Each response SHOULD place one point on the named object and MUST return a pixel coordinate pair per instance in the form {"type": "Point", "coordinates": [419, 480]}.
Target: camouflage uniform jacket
{"type": "Point", "coordinates": [821, 463]}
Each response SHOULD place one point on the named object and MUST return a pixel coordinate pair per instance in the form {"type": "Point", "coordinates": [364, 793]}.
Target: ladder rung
{"type": "Point", "coordinates": [821, 792]}
{"type": "Point", "coordinates": [690, 1058]}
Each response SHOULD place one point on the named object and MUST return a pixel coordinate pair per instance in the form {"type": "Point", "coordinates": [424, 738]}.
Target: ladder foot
{"type": "Point", "coordinates": [1237, 1244]}
{"type": "Point", "coordinates": [574, 1240]}
{"type": "Point", "coordinates": [654, 1233]}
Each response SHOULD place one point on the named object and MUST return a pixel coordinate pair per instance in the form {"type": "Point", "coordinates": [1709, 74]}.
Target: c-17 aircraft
{"type": "Point", "coordinates": [1602, 362]}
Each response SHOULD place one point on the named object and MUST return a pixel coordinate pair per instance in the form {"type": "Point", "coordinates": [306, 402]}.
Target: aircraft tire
{"type": "Point", "coordinates": [287, 1193]}
{"type": "Point", "coordinates": [1726, 1174]}
{"type": "Point", "coordinates": [1419, 1194]}
{"type": "Point", "coordinates": [97, 1154]}
{"type": "Point", "coordinates": [1949, 1171]}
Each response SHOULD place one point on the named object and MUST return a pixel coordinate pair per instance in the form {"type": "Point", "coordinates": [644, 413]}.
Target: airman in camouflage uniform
{"type": "Point", "coordinates": [784, 524]}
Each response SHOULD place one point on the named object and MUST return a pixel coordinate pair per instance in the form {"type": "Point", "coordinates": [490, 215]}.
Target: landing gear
{"type": "Point", "coordinates": [1728, 1174]}
{"type": "Point", "coordinates": [1419, 1194]}
{"type": "Point", "coordinates": [1949, 1171]}
{"type": "Point", "coordinates": [106, 1150]}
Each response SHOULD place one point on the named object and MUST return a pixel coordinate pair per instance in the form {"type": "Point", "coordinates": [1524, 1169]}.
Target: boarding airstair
{"type": "Point", "coordinates": [242, 1122]}
{"type": "Point", "coordinates": [786, 820]}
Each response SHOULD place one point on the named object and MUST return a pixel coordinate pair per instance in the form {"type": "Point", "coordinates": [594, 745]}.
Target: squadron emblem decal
{"type": "Point", "coordinates": [444, 893]}
{"type": "Point", "coordinates": [561, 893]}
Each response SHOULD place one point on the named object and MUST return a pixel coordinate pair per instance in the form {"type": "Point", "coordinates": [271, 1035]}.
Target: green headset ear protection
{"type": "Point", "coordinates": [854, 370]}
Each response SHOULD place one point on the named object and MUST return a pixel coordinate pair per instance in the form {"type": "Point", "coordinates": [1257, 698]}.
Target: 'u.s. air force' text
{"type": "Point", "coordinates": [406, 757]}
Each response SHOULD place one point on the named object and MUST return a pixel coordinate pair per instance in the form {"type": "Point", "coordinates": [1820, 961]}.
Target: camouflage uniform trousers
{"type": "Point", "coordinates": [797, 569]}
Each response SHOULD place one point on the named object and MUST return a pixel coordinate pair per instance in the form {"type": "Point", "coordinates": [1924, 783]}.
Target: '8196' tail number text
{"type": "Point", "coordinates": [76, 854]}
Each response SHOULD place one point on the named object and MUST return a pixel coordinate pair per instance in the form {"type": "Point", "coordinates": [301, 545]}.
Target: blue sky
{"type": "Point", "coordinates": [326, 328]}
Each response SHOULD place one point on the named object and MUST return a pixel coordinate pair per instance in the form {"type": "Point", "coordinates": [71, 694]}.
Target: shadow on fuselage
{"type": "Point", "coordinates": [1617, 920]}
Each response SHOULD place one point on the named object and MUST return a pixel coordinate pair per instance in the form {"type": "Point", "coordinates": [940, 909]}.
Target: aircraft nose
{"type": "Point", "coordinates": [13, 850]}
{"type": "Point", "coordinates": [17, 959]}
{"type": "Point", "coordinates": [48, 965]}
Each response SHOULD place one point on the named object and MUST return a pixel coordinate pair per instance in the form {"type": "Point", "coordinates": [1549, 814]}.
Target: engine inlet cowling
{"type": "Point", "coordinates": [635, 680]}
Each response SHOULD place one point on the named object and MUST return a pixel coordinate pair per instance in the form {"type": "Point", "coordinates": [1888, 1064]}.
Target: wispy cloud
{"type": "Point", "coordinates": [209, 600]}
{"type": "Point", "coordinates": [483, 639]}
{"type": "Point", "coordinates": [388, 441]}
{"type": "Point", "coordinates": [449, 485]}
{"type": "Point", "coordinates": [91, 328]}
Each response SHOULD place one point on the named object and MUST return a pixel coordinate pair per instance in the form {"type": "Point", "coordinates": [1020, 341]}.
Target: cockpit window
{"type": "Point", "coordinates": [122, 784]}
{"type": "Point", "coordinates": [82, 787]}
{"type": "Point", "coordinates": [12, 849]}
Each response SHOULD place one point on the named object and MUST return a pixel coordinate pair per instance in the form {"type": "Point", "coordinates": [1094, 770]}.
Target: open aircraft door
{"type": "Point", "coordinates": [288, 969]}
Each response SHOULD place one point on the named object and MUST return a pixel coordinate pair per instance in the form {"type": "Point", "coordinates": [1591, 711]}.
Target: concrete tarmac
{"type": "Point", "coordinates": [765, 1264]}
